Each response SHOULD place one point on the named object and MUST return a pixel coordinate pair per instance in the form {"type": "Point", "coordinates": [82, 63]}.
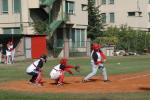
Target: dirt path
{"type": "Point", "coordinates": [120, 83]}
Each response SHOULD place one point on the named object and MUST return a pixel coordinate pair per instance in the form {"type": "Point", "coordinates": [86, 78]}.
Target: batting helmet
{"type": "Point", "coordinates": [63, 61]}
{"type": "Point", "coordinates": [96, 46]}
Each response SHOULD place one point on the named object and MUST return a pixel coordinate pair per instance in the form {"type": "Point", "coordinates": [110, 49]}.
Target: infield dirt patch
{"type": "Point", "coordinates": [138, 82]}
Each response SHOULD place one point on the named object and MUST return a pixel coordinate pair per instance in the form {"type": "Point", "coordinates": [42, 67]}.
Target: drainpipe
{"type": "Point", "coordinates": [21, 29]}
{"type": "Point", "coordinates": [21, 24]}
{"type": "Point", "coordinates": [66, 41]}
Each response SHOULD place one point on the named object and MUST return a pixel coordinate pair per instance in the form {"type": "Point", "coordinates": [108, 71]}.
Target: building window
{"type": "Point", "coordinates": [131, 13]}
{"type": "Point", "coordinates": [78, 37]}
{"type": "Point", "coordinates": [84, 7]}
{"type": "Point", "coordinates": [112, 17]}
{"type": "Point", "coordinates": [16, 6]}
{"type": "Point", "coordinates": [4, 6]}
{"type": "Point", "coordinates": [103, 2]}
{"type": "Point", "coordinates": [11, 30]}
{"type": "Point", "coordinates": [149, 16]}
{"type": "Point", "coordinates": [111, 1]}
{"type": "Point", "coordinates": [104, 17]}
{"type": "Point", "coordinates": [70, 7]}
{"type": "Point", "coordinates": [136, 13]}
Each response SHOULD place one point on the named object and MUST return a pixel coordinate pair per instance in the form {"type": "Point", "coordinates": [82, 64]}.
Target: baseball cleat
{"type": "Point", "coordinates": [84, 81]}
{"type": "Point", "coordinates": [60, 84]}
{"type": "Point", "coordinates": [107, 81]}
{"type": "Point", "coordinates": [39, 85]}
{"type": "Point", "coordinates": [31, 83]}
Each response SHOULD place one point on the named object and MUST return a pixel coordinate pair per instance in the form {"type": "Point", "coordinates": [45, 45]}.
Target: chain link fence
{"type": "Point", "coordinates": [72, 49]}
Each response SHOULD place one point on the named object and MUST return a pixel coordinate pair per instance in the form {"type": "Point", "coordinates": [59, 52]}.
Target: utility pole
{"type": "Point", "coordinates": [21, 24]}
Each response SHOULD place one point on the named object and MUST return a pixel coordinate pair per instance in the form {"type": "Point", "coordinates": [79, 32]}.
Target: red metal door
{"type": "Point", "coordinates": [38, 46]}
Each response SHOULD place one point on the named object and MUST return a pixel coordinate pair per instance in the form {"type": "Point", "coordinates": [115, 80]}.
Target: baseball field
{"type": "Point", "coordinates": [129, 75]}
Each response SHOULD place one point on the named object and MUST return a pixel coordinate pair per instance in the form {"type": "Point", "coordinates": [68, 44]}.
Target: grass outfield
{"type": "Point", "coordinates": [11, 95]}
{"type": "Point", "coordinates": [114, 65]}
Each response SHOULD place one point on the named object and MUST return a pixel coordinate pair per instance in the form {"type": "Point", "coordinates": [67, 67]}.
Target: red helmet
{"type": "Point", "coordinates": [96, 46]}
{"type": "Point", "coordinates": [63, 61]}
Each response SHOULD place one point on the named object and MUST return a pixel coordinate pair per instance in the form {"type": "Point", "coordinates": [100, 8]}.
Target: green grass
{"type": "Point", "coordinates": [9, 95]}
{"type": "Point", "coordinates": [128, 64]}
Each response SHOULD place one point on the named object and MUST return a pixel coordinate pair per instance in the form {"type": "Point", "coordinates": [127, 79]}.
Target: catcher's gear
{"type": "Point", "coordinates": [77, 68]}
{"type": "Point", "coordinates": [63, 61]}
{"type": "Point", "coordinates": [44, 57]}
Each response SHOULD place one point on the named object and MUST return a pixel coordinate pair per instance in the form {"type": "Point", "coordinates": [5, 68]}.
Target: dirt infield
{"type": "Point", "coordinates": [138, 82]}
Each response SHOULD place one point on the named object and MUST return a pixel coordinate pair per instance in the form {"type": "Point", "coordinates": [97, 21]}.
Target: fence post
{"type": "Point", "coordinates": [88, 46]}
{"type": "Point", "coordinates": [66, 48]}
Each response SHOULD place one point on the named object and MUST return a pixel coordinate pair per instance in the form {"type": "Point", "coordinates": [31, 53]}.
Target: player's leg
{"type": "Point", "coordinates": [7, 59]}
{"type": "Point", "coordinates": [94, 71]}
{"type": "Point", "coordinates": [13, 55]}
{"type": "Point", "coordinates": [39, 78]}
{"type": "Point", "coordinates": [104, 73]}
{"type": "Point", "coordinates": [10, 58]}
{"type": "Point", "coordinates": [33, 78]}
{"type": "Point", "coordinates": [61, 79]}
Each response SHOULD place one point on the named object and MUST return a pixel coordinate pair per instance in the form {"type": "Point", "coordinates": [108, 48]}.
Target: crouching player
{"type": "Point", "coordinates": [58, 71]}
{"type": "Point", "coordinates": [35, 70]}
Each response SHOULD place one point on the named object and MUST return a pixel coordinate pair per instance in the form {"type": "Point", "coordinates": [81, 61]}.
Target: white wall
{"type": "Point", "coordinates": [80, 17]}
{"type": "Point", "coordinates": [121, 9]}
{"type": "Point", "coordinates": [13, 20]}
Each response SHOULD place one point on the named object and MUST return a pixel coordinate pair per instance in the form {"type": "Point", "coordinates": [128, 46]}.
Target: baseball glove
{"type": "Point", "coordinates": [77, 68]}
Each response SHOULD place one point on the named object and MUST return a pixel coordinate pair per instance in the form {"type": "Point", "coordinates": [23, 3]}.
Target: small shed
{"type": "Point", "coordinates": [35, 46]}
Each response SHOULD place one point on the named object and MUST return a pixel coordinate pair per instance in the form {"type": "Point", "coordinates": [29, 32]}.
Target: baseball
{"type": "Point", "coordinates": [118, 63]}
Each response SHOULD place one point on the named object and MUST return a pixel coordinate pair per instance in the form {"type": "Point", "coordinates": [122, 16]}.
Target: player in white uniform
{"type": "Point", "coordinates": [57, 73]}
{"type": "Point", "coordinates": [35, 70]}
{"type": "Point", "coordinates": [97, 59]}
{"type": "Point", "coordinates": [9, 53]}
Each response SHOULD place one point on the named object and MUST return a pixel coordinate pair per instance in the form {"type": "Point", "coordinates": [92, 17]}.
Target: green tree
{"type": "Point", "coordinates": [95, 24]}
{"type": "Point", "coordinates": [40, 27]}
{"type": "Point", "coordinates": [126, 38]}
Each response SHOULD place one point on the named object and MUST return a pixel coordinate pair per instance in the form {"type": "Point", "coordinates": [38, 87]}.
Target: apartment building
{"type": "Point", "coordinates": [133, 13]}
{"type": "Point", "coordinates": [67, 21]}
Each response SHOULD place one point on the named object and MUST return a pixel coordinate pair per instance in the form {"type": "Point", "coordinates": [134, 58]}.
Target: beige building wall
{"type": "Point", "coordinates": [13, 19]}
{"type": "Point", "coordinates": [120, 8]}
{"type": "Point", "coordinates": [80, 18]}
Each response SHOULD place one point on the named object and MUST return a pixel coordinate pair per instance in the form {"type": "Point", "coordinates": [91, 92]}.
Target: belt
{"type": "Point", "coordinates": [34, 65]}
{"type": "Point", "coordinates": [56, 69]}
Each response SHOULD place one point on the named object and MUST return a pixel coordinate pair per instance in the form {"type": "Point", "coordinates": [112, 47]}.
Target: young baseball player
{"type": "Point", "coordinates": [35, 70]}
{"type": "Point", "coordinates": [9, 53]}
{"type": "Point", "coordinates": [97, 60]}
{"type": "Point", "coordinates": [58, 71]}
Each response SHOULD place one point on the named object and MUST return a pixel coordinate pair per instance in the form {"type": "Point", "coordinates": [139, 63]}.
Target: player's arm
{"type": "Point", "coordinates": [103, 56]}
{"type": "Point", "coordinates": [70, 66]}
{"type": "Point", "coordinates": [67, 69]}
